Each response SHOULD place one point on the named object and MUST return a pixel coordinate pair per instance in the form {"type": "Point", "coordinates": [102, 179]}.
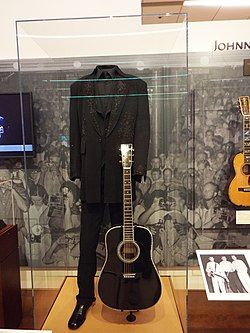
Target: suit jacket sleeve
{"type": "Point", "coordinates": [142, 132]}
{"type": "Point", "coordinates": [75, 136]}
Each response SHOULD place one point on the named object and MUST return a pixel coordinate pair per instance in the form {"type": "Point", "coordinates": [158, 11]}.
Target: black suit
{"type": "Point", "coordinates": [102, 117]}
{"type": "Point", "coordinates": [91, 146]}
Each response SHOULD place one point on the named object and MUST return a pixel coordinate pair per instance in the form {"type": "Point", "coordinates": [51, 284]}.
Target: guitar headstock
{"type": "Point", "coordinates": [244, 105]}
{"type": "Point", "coordinates": [127, 155]}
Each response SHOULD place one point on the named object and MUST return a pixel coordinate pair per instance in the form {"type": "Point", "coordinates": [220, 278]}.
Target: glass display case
{"type": "Point", "coordinates": [217, 82]}
{"type": "Point", "coordinates": [184, 200]}
{"type": "Point", "coordinates": [53, 55]}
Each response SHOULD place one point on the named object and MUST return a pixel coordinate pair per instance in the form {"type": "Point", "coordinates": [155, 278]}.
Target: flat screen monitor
{"type": "Point", "coordinates": [11, 133]}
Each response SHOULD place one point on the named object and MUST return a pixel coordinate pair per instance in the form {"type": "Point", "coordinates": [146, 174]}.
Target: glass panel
{"type": "Point", "coordinates": [218, 134]}
{"type": "Point", "coordinates": [53, 54]}
{"type": "Point", "coordinates": [13, 200]}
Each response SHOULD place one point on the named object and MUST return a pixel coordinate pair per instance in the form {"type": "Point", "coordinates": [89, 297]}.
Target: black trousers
{"type": "Point", "coordinates": [91, 220]}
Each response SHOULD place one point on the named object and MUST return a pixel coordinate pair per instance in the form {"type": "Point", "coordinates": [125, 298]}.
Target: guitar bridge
{"type": "Point", "coordinates": [244, 189]}
{"type": "Point", "coordinates": [129, 275]}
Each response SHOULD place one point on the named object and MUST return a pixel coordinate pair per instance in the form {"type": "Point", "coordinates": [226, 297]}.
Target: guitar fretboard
{"type": "Point", "coordinates": [128, 230]}
{"type": "Point", "coordinates": [246, 141]}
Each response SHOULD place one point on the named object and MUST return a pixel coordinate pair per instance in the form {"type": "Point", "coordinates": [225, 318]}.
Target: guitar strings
{"type": "Point", "coordinates": [124, 213]}
{"type": "Point", "coordinates": [127, 247]}
{"type": "Point", "coordinates": [125, 234]}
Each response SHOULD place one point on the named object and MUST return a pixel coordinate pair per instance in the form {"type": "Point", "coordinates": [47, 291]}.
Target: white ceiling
{"type": "Point", "coordinates": [194, 13]}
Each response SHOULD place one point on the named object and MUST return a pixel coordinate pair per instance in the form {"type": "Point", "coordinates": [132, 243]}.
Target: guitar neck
{"type": "Point", "coordinates": [246, 138]}
{"type": "Point", "coordinates": [128, 229]}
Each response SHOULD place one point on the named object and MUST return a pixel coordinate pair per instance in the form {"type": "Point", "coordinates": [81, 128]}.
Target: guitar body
{"type": "Point", "coordinates": [129, 286]}
{"type": "Point", "coordinates": [239, 188]}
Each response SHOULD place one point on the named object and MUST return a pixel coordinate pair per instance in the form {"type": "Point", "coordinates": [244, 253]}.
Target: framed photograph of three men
{"type": "Point", "coordinates": [226, 274]}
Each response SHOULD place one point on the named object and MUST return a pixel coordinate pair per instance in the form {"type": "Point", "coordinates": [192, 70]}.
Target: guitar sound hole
{"type": "Point", "coordinates": [128, 251]}
{"type": "Point", "coordinates": [246, 169]}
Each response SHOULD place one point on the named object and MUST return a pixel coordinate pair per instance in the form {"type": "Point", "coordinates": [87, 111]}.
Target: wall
{"type": "Point", "coordinates": [221, 31]}
{"type": "Point", "coordinates": [27, 9]}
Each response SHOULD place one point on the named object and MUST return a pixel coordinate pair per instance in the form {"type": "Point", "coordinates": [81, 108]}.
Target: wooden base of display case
{"type": "Point", "coordinates": [36, 309]}
{"type": "Point", "coordinates": [162, 316]}
{"type": "Point", "coordinates": [216, 316]}
{"type": "Point", "coordinates": [10, 290]}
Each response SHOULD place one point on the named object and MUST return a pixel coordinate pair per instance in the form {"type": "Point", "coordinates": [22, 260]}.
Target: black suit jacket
{"type": "Point", "coordinates": [91, 146]}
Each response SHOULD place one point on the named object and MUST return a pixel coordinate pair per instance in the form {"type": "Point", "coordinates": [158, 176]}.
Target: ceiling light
{"type": "Point", "coordinates": [217, 3]}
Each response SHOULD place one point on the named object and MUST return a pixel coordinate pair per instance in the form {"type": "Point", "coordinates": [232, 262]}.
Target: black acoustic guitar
{"type": "Point", "coordinates": [129, 280]}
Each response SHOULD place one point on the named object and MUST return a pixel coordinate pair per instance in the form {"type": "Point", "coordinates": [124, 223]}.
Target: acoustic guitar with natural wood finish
{"type": "Point", "coordinates": [239, 188]}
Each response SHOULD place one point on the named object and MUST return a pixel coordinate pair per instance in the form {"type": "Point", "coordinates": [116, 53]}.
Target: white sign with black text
{"type": "Point", "coordinates": [231, 46]}
{"type": "Point", "coordinates": [242, 216]}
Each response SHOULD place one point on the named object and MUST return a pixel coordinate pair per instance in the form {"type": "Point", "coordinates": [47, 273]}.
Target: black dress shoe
{"type": "Point", "coordinates": [79, 315]}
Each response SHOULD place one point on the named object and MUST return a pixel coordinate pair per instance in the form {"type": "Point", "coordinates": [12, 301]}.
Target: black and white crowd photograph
{"type": "Point", "coordinates": [226, 274]}
{"type": "Point", "coordinates": [182, 200]}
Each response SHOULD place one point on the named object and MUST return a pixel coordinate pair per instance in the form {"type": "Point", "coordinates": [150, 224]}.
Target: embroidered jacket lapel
{"type": "Point", "coordinates": [117, 104]}
{"type": "Point", "coordinates": [92, 101]}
